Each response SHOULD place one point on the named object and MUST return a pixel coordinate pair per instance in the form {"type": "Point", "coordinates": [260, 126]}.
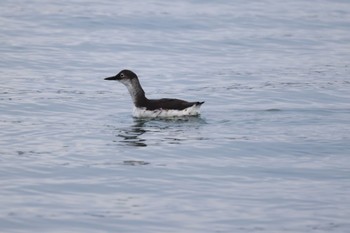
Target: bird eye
{"type": "Point", "coordinates": [122, 75]}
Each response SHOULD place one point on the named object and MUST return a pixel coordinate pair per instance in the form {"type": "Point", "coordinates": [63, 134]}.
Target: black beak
{"type": "Point", "coordinates": [111, 78]}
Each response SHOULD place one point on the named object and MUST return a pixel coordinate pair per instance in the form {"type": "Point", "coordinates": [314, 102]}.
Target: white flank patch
{"type": "Point", "coordinates": [190, 111]}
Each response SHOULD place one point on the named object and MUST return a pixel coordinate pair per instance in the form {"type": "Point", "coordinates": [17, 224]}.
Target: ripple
{"type": "Point", "coordinates": [135, 163]}
{"type": "Point", "coordinates": [268, 154]}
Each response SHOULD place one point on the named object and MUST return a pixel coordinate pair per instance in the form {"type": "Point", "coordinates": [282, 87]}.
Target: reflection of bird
{"type": "Point", "coordinates": [131, 135]}
{"type": "Point", "coordinates": [154, 107]}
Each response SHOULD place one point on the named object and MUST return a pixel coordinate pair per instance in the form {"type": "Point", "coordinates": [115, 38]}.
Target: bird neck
{"type": "Point", "coordinates": [136, 92]}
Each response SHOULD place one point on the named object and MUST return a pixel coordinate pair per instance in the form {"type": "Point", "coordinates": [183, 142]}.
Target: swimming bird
{"type": "Point", "coordinates": [145, 107]}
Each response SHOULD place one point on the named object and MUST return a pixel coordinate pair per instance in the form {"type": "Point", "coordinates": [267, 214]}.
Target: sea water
{"type": "Point", "coordinates": [269, 153]}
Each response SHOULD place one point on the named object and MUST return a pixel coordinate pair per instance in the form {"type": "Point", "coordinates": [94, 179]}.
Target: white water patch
{"type": "Point", "coordinates": [164, 113]}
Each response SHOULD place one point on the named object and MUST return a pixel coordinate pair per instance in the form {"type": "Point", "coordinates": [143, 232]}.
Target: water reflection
{"type": "Point", "coordinates": [131, 135]}
{"type": "Point", "coordinates": [144, 132]}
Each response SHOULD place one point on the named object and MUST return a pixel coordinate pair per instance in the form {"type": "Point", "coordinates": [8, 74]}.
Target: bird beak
{"type": "Point", "coordinates": [111, 78]}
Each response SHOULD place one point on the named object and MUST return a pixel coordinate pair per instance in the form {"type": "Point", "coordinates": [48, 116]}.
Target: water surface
{"type": "Point", "coordinates": [270, 152]}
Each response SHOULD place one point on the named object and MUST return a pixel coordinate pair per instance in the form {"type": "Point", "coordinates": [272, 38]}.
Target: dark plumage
{"type": "Point", "coordinates": [131, 81]}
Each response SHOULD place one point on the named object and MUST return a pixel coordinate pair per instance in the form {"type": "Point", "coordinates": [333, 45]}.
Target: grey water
{"type": "Point", "coordinates": [269, 153]}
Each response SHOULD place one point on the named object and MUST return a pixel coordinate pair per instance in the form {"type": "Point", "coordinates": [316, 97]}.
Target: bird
{"type": "Point", "coordinates": [144, 107]}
